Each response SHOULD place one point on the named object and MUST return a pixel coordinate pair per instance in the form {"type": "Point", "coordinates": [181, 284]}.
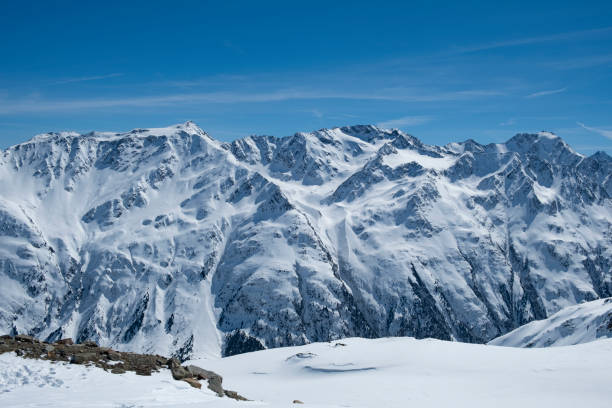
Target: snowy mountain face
{"type": "Point", "coordinates": [582, 323]}
{"type": "Point", "coordinates": [168, 241]}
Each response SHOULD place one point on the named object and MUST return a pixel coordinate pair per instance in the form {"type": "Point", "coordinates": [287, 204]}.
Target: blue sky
{"type": "Point", "coordinates": [442, 71]}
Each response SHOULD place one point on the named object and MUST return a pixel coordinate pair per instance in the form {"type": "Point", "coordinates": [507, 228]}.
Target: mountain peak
{"type": "Point", "coordinates": [188, 127]}
{"type": "Point", "coordinates": [359, 129]}
{"type": "Point", "coordinates": [549, 135]}
{"type": "Point", "coordinates": [544, 145]}
{"type": "Point", "coordinates": [369, 133]}
{"type": "Point", "coordinates": [160, 239]}
{"type": "Point", "coordinates": [531, 138]}
{"type": "Point", "coordinates": [41, 137]}
{"type": "Point", "coordinates": [601, 156]}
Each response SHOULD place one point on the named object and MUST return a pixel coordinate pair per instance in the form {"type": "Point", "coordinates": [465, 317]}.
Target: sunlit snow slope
{"type": "Point", "coordinates": [404, 372]}
{"type": "Point", "coordinates": [387, 372]}
{"type": "Point", "coordinates": [168, 241]}
{"type": "Point", "coordinates": [572, 325]}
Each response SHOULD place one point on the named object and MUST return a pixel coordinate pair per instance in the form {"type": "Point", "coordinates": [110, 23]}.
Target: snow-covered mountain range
{"type": "Point", "coordinates": [168, 241]}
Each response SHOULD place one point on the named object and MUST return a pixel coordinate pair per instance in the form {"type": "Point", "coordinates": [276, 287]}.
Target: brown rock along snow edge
{"type": "Point", "coordinates": [116, 362]}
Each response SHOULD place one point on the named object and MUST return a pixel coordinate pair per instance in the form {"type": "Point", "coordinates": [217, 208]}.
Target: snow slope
{"type": "Point", "coordinates": [401, 372]}
{"type": "Point", "coordinates": [572, 325]}
{"type": "Point", "coordinates": [167, 241]}
{"type": "Point", "coordinates": [38, 383]}
{"type": "Point", "coordinates": [387, 372]}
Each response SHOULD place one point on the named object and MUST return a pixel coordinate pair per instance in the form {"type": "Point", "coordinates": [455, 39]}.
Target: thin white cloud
{"type": "Point", "coordinates": [84, 79]}
{"type": "Point", "coordinates": [418, 96]}
{"type": "Point", "coordinates": [509, 122]}
{"type": "Point", "coordinates": [37, 104]}
{"type": "Point", "coordinates": [405, 121]}
{"type": "Point", "coordinates": [582, 62]}
{"type": "Point", "coordinates": [214, 80]}
{"type": "Point", "coordinates": [532, 40]}
{"type": "Point", "coordinates": [590, 147]}
{"type": "Point", "coordinates": [546, 93]}
{"type": "Point", "coordinates": [603, 132]}
{"type": "Point", "coordinates": [316, 113]}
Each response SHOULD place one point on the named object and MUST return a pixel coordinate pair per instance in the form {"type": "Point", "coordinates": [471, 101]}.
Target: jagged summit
{"type": "Point", "coordinates": [188, 127]}
{"type": "Point", "coordinates": [543, 144]}
{"type": "Point", "coordinates": [601, 156]}
{"type": "Point", "coordinates": [165, 240]}
{"type": "Point", "coordinates": [367, 133]}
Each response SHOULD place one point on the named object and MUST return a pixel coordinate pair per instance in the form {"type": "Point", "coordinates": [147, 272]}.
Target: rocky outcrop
{"type": "Point", "coordinates": [87, 352]}
{"type": "Point", "coordinates": [116, 362]}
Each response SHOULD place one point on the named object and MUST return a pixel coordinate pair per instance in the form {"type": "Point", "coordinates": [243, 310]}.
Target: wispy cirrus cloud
{"type": "Point", "coordinates": [405, 121]}
{"type": "Point", "coordinates": [532, 40]}
{"type": "Point", "coordinates": [581, 62]}
{"type": "Point", "coordinates": [88, 78]}
{"type": "Point", "coordinates": [316, 113]}
{"type": "Point", "coordinates": [545, 93]}
{"type": "Point", "coordinates": [38, 104]}
{"type": "Point", "coordinates": [603, 132]}
{"type": "Point", "coordinates": [214, 80]}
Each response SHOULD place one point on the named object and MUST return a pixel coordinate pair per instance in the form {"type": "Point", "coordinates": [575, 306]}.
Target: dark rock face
{"type": "Point", "coordinates": [214, 379]}
{"type": "Point", "coordinates": [82, 358]}
{"type": "Point", "coordinates": [180, 373]}
{"type": "Point", "coordinates": [193, 382]}
{"type": "Point", "coordinates": [234, 395]}
{"type": "Point", "coordinates": [193, 373]}
{"type": "Point", "coordinates": [24, 339]}
{"type": "Point", "coordinates": [239, 342]}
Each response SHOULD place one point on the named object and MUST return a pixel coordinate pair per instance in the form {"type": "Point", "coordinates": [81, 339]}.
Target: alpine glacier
{"type": "Point", "coordinates": [167, 241]}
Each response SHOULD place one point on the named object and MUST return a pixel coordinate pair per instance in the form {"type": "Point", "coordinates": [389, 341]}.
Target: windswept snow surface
{"type": "Point", "coordinates": [405, 372]}
{"type": "Point", "coordinates": [387, 372]}
{"type": "Point", "coordinates": [572, 325]}
{"type": "Point", "coordinates": [167, 241]}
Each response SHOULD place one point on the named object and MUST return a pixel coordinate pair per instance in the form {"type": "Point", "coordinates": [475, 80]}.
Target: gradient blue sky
{"type": "Point", "coordinates": [443, 71]}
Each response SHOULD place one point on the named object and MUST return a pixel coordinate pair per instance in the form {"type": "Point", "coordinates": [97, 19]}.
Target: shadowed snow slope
{"type": "Point", "coordinates": [167, 241]}
{"type": "Point", "coordinates": [572, 325]}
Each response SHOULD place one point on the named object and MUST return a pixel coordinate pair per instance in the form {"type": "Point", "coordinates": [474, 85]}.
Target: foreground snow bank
{"type": "Point", "coordinates": [404, 372]}
{"type": "Point", "coordinates": [572, 325]}
{"type": "Point", "coordinates": [38, 383]}
{"type": "Point", "coordinates": [391, 372]}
